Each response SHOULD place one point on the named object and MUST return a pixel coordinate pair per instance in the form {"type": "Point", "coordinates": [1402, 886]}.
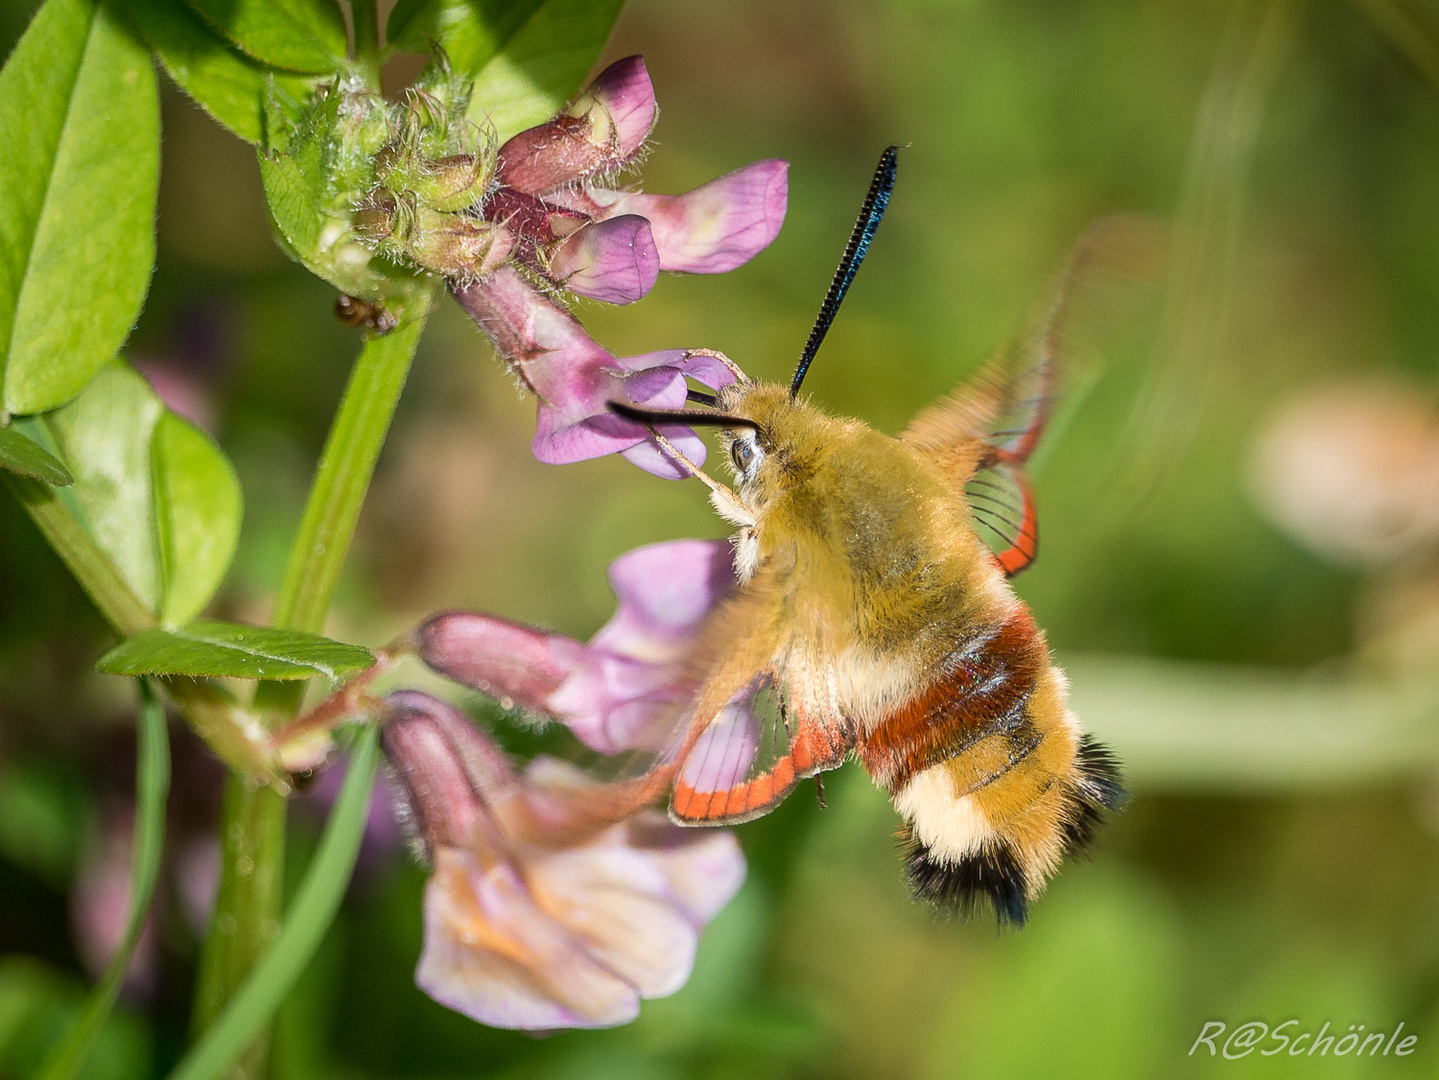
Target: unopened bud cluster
{"type": "Point", "coordinates": [423, 209]}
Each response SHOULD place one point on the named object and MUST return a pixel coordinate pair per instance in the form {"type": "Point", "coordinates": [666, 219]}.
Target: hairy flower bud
{"type": "Point", "coordinates": [457, 245]}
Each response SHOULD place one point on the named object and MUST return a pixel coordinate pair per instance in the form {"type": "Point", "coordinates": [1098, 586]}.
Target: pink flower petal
{"type": "Point", "coordinates": [601, 131]}
{"type": "Point", "coordinates": [625, 91]}
{"type": "Point", "coordinates": [705, 867]}
{"type": "Point", "coordinates": [574, 422]}
{"type": "Point", "coordinates": [503, 659]}
{"type": "Point", "coordinates": [615, 261]}
{"type": "Point", "coordinates": [716, 227]}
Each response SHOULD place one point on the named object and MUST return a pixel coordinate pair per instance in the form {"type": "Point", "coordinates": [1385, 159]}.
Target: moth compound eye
{"type": "Point", "coordinates": [744, 453]}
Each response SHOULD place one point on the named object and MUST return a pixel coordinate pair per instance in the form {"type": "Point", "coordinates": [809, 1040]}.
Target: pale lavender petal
{"type": "Point", "coordinates": [705, 867]}
{"type": "Point", "coordinates": [505, 660]}
{"type": "Point", "coordinates": [615, 261]}
{"type": "Point", "coordinates": [719, 226]}
{"type": "Point", "coordinates": [707, 369]}
{"type": "Point", "coordinates": [625, 90]}
{"type": "Point", "coordinates": [491, 953]}
{"type": "Point", "coordinates": [613, 703]}
{"type": "Point", "coordinates": [666, 591]}
{"type": "Point", "coordinates": [653, 460]}
{"type": "Point", "coordinates": [620, 902]}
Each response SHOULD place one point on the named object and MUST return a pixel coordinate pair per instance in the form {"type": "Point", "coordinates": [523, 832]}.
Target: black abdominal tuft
{"type": "Point", "coordinates": [990, 876]}
{"type": "Point", "coordinates": [1099, 789]}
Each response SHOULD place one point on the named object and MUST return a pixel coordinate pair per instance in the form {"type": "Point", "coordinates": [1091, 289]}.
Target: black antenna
{"type": "Point", "coordinates": [854, 253]}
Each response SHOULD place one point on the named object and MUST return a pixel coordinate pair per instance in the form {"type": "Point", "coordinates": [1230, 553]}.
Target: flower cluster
{"type": "Point", "coordinates": [511, 227]}
{"type": "Point", "coordinates": [553, 902]}
{"type": "Point", "coordinates": [538, 915]}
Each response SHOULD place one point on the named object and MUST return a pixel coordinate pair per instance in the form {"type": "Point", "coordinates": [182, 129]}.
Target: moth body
{"type": "Point", "coordinates": [899, 622]}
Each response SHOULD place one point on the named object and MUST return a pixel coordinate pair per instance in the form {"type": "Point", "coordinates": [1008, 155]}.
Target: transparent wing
{"type": "Point", "coordinates": [740, 762]}
{"type": "Point", "coordinates": [982, 435]}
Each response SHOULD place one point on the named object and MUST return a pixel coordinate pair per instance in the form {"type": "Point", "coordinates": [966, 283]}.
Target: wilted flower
{"type": "Point", "coordinates": [619, 692]}
{"type": "Point", "coordinates": [541, 913]}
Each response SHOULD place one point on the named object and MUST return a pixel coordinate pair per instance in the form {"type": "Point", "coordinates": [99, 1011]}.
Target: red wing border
{"type": "Point", "coordinates": [752, 754]}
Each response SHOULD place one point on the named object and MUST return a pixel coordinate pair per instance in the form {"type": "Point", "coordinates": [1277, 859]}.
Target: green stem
{"type": "Point", "coordinates": [152, 784]}
{"type": "Point", "coordinates": [94, 569]}
{"type": "Point", "coordinates": [367, 39]}
{"type": "Point", "coordinates": [343, 477]}
{"type": "Point", "coordinates": [253, 821]}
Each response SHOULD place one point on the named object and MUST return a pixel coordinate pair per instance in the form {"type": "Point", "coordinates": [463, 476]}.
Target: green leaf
{"type": "Point", "coordinates": [152, 784]}
{"type": "Point", "coordinates": [301, 35]}
{"type": "Point", "coordinates": [20, 455]}
{"type": "Point", "coordinates": [104, 438]}
{"type": "Point", "coordinates": [542, 64]}
{"type": "Point", "coordinates": [219, 649]}
{"type": "Point", "coordinates": [158, 498]}
{"type": "Point", "coordinates": [470, 31]}
{"type": "Point", "coordinates": [226, 83]}
{"type": "Point", "coordinates": [316, 903]}
{"type": "Point", "coordinates": [80, 127]}
{"type": "Point", "coordinates": [197, 517]}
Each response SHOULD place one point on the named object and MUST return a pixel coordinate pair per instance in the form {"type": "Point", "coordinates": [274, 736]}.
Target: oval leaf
{"type": "Point", "coordinates": [226, 83]}
{"type": "Point", "coordinates": [159, 497]}
{"type": "Point", "coordinates": [301, 35]}
{"type": "Point", "coordinates": [20, 455]}
{"type": "Point", "coordinates": [103, 436]}
{"type": "Point", "coordinates": [197, 517]}
{"type": "Point", "coordinates": [80, 124]}
{"type": "Point", "coordinates": [219, 649]}
{"type": "Point", "coordinates": [542, 64]}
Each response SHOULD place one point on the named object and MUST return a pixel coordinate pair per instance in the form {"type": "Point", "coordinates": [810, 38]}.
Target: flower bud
{"type": "Point", "coordinates": [604, 129]}
{"type": "Point", "coordinates": [457, 245]}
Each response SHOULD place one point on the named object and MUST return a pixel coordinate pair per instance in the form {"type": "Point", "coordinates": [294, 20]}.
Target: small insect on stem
{"type": "Point", "coordinates": [352, 311]}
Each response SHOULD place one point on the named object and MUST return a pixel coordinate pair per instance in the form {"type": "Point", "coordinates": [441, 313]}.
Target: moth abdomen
{"type": "Point", "coordinates": [993, 874]}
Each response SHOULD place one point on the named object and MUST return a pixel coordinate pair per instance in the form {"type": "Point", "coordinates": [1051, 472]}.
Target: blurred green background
{"type": "Point", "coordinates": [1279, 720]}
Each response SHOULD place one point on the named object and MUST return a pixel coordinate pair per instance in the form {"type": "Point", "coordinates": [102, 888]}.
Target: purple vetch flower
{"type": "Point", "coordinates": [540, 913]}
{"type": "Point", "coordinates": [553, 221]}
{"type": "Point", "coordinates": [621, 691]}
{"type": "Point", "coordinates": [574, 377]}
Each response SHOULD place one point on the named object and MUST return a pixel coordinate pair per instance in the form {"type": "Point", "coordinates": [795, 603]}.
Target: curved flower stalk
{"type": "Point", "coordinates": [535, 917]}
{"type": "Point", "coordinates": [513, 226]}
{"type": "Point", "coordinates": [619, 691]}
